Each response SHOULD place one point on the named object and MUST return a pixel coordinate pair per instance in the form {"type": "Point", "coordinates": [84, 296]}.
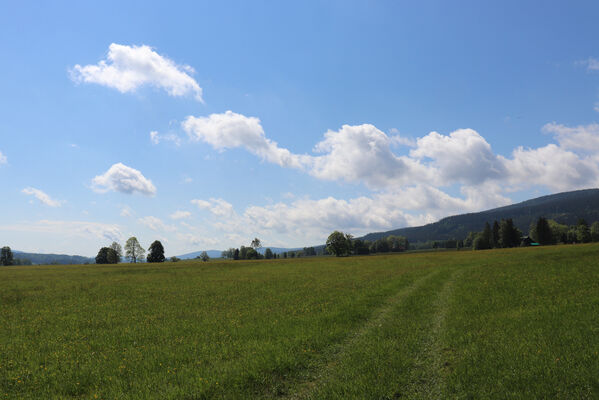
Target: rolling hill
{"type": "Point", "coordinates": [565, 208]}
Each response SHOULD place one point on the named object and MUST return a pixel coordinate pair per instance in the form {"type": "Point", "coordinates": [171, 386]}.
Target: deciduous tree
{"type": "Point", "coordinates": [6, 257]}
{"type": "Point", "coordinates": [204, 256]}
{"type": "Point", "coordinates": [338, 244]}
{"type": "Point", "coordinates": [133, 250]}
{"type": "Point", "coordinates": [256, 244]}
{"type": "Point", "coordinates": [156, 252]}
{"type": "Point", "coordinates": [118, 250]}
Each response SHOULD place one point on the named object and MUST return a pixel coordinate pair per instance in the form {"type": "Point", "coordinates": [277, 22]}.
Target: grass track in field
{"type": "Point", "coordinates": [520, 323]}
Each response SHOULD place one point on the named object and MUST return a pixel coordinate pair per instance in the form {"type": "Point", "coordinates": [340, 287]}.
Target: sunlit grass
{"type": "Point", "coordinates": [520, 323]}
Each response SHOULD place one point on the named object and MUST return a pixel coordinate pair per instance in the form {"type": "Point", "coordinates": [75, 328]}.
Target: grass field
{"type": "Point", "coordinates": [519, 323]}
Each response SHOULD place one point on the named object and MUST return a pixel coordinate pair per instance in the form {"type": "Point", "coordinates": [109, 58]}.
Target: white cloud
{"type": "Point", "coordinates": [230, 130]}
{"type": "Point", "coordinates": [43, 197]}
{"type": "Point", "coordinates": [218, 207]}
{"type": "Point", "coordinates": [130, 67]}
{"type": "Point", "coordinates": [156, 224]}
{"type": "Point", "coordinates": [583, 138]}
{"type": "Point", "coordinates": [462, 156]}
{"type": "Point", "coordinates": [124, 179]}
{"type": "Point", "coordinates": [553, 167]}
{"type": "Point", "coordinates": [415, 205]}
{"type": "Point", "coordinates": [156, 138]}
{"type": "Point", "coordinates": [363, 154]}
{"type": "Point", "coordinates": [180, 214]}
{"type": "Point", "coordinates": [3, 159]}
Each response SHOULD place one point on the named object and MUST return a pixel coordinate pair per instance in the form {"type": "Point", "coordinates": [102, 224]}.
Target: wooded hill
{"type": "Point", "coordinates": [565, 208]}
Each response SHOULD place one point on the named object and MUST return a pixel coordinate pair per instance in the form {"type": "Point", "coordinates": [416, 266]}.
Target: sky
{"type": "Point", "coordinates": [206, 124]}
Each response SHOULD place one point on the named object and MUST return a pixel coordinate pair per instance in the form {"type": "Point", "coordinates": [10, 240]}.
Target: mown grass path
{"type": "Point", "coordinates": [517, 323]}
{"type": "Point", "coordinates": [337, 354]}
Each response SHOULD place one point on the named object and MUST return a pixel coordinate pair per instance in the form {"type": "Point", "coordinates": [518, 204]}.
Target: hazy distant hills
{"type": "Point", "coordinates": [211, 254]}
{"type": "Point", "coordinates": [565, 208]}
{"type": "Point", "coordinates": [217, 253]}
{"type": "Point", "coordinates": [44, 259]}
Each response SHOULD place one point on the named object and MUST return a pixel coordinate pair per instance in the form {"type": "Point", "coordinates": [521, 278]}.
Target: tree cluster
{"type": "Point", "coordinates": [133, 252]}
{"type": "Point", "coordinates": [548, 231]}
{"type": "Point", "coordinates": [248, 253]}
{"type": "Point", "coordinates": [503, 234]}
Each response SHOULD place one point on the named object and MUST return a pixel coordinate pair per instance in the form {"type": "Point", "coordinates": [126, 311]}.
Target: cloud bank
{"type": "Point", "coordinates": [363, 154]}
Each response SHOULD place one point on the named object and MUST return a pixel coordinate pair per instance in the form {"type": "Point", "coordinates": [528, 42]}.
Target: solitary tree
{"type": "Point", "coordinates": [256, 243]}
{"type": "Point", "coordinates": [118, 250]}
{"type": "Point", "coordinates": [133, 250]}
{"type": "Point", "coordinates": [204, 256]}
{"type": "Point", "coordinates": [6, 257]}
{"type": "Point", "coordinates": [156, 252]}
{"type": "Point", "coordinates": [338, 244]}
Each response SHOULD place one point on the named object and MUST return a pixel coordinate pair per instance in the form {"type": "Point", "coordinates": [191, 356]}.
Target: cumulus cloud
{"type": "Point", "coordinates": [127, 68]}
{"type": "Point", "coordinates": [43, 197]}
{"type": "Point", "coordinates": [124, 179]}
{"type": "Point", "coordinates": [362, 154]}
{"type": "Point", "coordinates": [156, 224]}
{"type": "Point", "coordinates": [551, 166]}
{"type": "Point", "coordinates": [180, 214]}
{"type": "Point", "coordinates": [230, 130]}
{"type": "Point", "coordinates": [3, 159]}
{"type": "Point", "coordinates": [463, 156]}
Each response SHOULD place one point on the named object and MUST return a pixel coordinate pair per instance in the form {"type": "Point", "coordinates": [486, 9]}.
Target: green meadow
{"type": "Point", "coordinates": [517, 323]}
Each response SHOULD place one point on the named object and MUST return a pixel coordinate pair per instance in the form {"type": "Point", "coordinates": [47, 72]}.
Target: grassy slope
{"type": "Point", "coordinates": [519, 323]}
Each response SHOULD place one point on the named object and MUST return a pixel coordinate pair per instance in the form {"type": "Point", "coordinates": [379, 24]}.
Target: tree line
{"type": "Point", "coordinates": [343, 244]}
{"type": "Point", "coordinates": [542, 231]}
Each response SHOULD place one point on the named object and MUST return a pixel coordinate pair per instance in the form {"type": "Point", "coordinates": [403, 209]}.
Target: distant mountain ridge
{"type": "Point", "coordinates": [565, 208]}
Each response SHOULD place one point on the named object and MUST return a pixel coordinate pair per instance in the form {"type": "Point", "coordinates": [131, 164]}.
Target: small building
{"type": "Point", "coordinates": [527, 241]}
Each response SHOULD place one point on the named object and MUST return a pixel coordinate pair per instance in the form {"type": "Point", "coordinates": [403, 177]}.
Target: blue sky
{"type": "Point", "coordinates": [205, 125]}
